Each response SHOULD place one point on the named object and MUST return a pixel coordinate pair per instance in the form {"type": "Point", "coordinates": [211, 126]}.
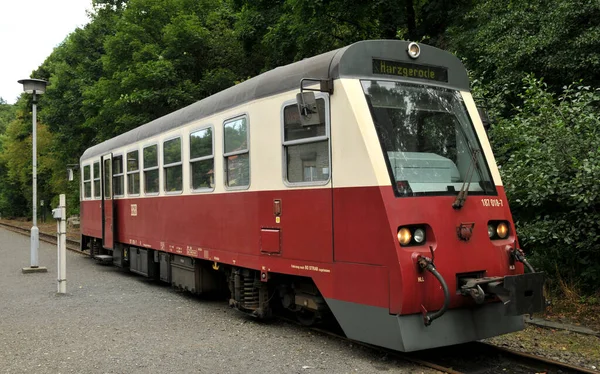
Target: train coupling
{"type": "Point", "coordinates": [520, 294]}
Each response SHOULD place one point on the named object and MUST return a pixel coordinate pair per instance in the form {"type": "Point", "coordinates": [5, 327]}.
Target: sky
{"type": "Point", "coordinates": [29, 31]}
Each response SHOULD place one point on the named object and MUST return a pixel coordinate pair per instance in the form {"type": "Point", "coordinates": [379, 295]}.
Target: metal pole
{"type": "Point", "coordinates": [62, 245]}
{"type": "Point", "coordinates": [35, 233]}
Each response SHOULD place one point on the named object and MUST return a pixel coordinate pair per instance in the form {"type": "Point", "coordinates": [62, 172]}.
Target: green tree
{"type": "Point", "coordinates": [502, 41]}
{"type": "Point", "coordinates": [16, 163]}
{"type": "Point", "coordinates": [163, 55]}
{"type": "Point", "coordinates": [11, 199]}
{"type": "Point", "coordinates": [550, 157]}
{"type": "Point", "coordinates": [72, 69]}
{"type": "Point", "coordinates": [7, 114]}
{"type": "Point", "coordinates": [277, 32]}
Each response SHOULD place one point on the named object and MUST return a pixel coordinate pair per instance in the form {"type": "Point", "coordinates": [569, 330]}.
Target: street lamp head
{"type": "Point", "coordinates": [34, 85]}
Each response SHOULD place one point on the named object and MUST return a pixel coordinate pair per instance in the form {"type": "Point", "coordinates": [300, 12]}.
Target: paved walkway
{"type": "Point", "coordinates": [115, 322]}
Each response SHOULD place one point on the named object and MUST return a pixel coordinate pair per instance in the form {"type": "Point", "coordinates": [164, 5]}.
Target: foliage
{"type": "Point", "coordinates": [16, 165]}
{"type": "Point", "coordinates": [550, 157]}
{"type": "Point", "coordinates": [277, 32]}
{"type": "Point", "coordinates": [12, 202]}
{"type": "Point", "coordinates": [161, 56]}
{"type": "Point", "coordinates": [7, 114]}
{"type": "Point", "coordinates": [503, 40]}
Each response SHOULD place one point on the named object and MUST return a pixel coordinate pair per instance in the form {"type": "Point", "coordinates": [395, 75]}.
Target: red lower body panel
{"type": "Point", "coordinates": [342, 238]}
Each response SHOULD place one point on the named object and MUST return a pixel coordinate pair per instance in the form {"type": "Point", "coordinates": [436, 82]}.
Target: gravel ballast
{"type": "Point", "coordinates": [112, 321]}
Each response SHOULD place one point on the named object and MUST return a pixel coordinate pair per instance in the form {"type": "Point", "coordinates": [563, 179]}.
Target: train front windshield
{"type": "Point", "coordinates": [427, 138]}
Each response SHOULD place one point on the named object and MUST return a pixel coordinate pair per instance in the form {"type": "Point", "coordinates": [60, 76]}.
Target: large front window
{"type": "Point", "coordinates": [427, 138]}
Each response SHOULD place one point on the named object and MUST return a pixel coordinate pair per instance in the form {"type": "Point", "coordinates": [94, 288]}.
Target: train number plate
{"type": "Point", "coordinates": [492, 203]}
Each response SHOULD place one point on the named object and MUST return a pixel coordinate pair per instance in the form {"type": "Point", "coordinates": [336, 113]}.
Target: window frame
{"type": "Point", "coordinates": [110, 195]}
{"type": "Point", "coordinates": [316, 139]}
{"type": "Point", "coordinates": [122, 174]}
{"type": "Point", "coordinates": [90, 181]}
{"type": "Point", "coordinates": [173, 164]}
{"type": "Point", "coordinates": [235, 153]}
{"type": "Point", "coordinates": [203, 158]}
{"type": "Point", "coordinates": [99, 179]}
{"type": "Point", "coordinates": [128, 172]}
{"type": "Point", "coordinates": [473, 126]}
{"type": "Point", "coordinates": [145, 169]}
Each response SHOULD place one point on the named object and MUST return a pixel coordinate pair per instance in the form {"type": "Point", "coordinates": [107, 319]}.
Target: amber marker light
{"type": "Point", "coordinates": [404, 236]}
{"type": "Point", "coordinates": [502, 230]}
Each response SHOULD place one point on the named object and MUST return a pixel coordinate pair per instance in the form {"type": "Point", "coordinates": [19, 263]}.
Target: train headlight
{"type": "Point", "coordinates": [413, 235]}
{"type": "Point", "coordinates": [502, 230]}
{"type": "Point", "coordinates": [419, 236]}
{"type": "Point", "coordinates": [404, 236]}
{"type": "Point", "coordinates": [413, 50]}
{"type": "Point", "coordinates": [498, 230]}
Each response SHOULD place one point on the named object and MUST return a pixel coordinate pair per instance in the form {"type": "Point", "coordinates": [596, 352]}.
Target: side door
{"type": "Point", "coordinates": [108, 224]}
{"type": "Point", "coordinates": [297, 221]}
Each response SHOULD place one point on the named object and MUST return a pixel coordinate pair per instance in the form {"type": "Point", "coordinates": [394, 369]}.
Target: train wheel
{"type": "Point", "coordinates": [306, 317]}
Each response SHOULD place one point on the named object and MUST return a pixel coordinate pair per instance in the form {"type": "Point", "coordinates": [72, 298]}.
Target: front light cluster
{"type": "Point", "coordinates": [411, 235]}
{"type": "Point", "coordinates": [498, 230]}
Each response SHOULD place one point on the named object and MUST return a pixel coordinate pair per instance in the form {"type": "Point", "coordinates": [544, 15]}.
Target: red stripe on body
{"type": "Point", "coordinates": [344, 238]}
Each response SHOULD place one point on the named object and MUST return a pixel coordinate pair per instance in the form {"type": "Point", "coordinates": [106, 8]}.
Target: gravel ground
{"type": "Point", "coordinates": [114, 322]}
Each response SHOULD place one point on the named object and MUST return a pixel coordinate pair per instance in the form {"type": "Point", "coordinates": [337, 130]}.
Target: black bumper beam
{"type": "Point", "coordinates": [520, 294]}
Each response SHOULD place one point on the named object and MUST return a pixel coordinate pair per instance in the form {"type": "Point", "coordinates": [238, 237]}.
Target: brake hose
{"type": "Point", "coordinates": [519, 256]}
{"type": "Point", "coordinates": [426, 264]}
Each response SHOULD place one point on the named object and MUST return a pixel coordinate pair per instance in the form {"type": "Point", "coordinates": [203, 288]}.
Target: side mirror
{"type": "Point", "coordinates": [307, 107]}
{"type": "Point", "coordinates": [485, 119]}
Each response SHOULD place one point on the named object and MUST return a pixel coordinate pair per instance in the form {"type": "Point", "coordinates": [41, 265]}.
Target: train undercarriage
{"type": "Point", "coordinates": [250, 291]}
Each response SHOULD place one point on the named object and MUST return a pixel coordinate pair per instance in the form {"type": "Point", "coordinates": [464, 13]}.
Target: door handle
{"type": "Point", "coordinates": [277, 207]}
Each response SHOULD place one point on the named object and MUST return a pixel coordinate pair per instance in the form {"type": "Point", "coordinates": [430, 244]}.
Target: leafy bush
{"type": "Point", "coordinates": [549, 157]}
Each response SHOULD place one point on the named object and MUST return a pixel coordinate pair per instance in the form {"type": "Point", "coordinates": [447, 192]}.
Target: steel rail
{"type": "Point", "coordinates": [529, 356]}
{"type": "Point", "coordinates": [72, 245]}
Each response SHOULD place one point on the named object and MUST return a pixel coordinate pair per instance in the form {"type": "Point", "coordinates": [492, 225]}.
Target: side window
{"type": "Point", "coordinates": [237, 154]}
{"type": "Point", "coordinates": [133, 173]}
{"type": "Point", "coordinates": [202, 160]}
{"type": "Point", "coordinates": [118, 176]}
{"type": "Point", "coordinates": [107, 189]}
{"type": "Point", "coordinates": [87, 182]}
{"type": "Point", "coordinates": [306, 147]}
{"type": "Point", "coordinates": [96, 172]}
{"type": "Point", "coordinates": [151, 169]}
{"type": "Point", "coordinates": [172, 165]}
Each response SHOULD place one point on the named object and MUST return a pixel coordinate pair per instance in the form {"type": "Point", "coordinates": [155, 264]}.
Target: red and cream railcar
{"type": "Point", "coordinates": [375, 199]}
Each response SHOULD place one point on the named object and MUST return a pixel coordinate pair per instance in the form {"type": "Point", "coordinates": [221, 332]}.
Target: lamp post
{"type": "Point", "coordinates": [35, 87]}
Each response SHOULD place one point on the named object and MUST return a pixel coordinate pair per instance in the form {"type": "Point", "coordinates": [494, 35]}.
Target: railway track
{"type": "Point", "coordinates": [72, 245]}
{"type": "Point", "coordinates": [479, 357]}
{"type": "Point", "coordinates": [469, 358]}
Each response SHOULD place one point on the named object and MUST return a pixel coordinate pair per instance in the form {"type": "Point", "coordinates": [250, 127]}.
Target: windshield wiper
{"type": "Point", "coordinates": [462, 194]}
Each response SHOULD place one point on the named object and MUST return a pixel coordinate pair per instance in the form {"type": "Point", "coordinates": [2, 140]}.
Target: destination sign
{"type": "Point", "coordinates": [408, 70]}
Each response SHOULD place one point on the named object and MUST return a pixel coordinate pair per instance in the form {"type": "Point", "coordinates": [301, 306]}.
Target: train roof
{"type": "Point", "coordinates": [355, 60]}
